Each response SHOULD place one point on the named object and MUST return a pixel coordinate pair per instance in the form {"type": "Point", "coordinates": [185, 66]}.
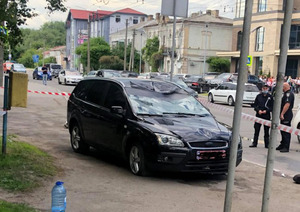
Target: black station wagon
{"type": "Point", "coordinates": [154, 125]}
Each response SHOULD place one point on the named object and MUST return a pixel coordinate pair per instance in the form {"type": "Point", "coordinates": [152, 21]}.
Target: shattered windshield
{"type": "Point", "coordinates": [156, 98]}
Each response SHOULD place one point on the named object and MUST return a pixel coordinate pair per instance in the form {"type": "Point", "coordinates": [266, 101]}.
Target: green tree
{"type": "Point", "coordinates": [26, 57]}
{"type": "Point", "coordinates": [98, 48]}
{"type": "Point", "coordinates": [47, 60]}
{"type": "Point", "coordinates": [156, 60]}
{"type": "Point", "coordinates": [218, 64]}
{"type": "Point", "coordinates": [118, 50]}
{"type": "Point", "coordinates": [111, 62]}
{"type": "Point", "coordinates": [152, 46]}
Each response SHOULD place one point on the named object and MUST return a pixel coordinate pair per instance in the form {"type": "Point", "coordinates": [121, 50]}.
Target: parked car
{"type": "Point", "coordinates": [7, 66]}
{"type": "Point", "coordinates": [224, 77]}
{"type": "Point", "coordinates": [204, 84]}
{"type": "Point", "coordinates": [38, 74]}
{"type": "Point", "coordinates": [107, 73]}
{"type": "Point", "coordinates": [296, 121]}
{"type": "Point", "coordinates": [226, 92]}
{"type": "Point", "coordinates": [129, 74]}
{"type": "Point", "coordinates": [154, 125]}
{"type": "Point", "coordinates": [194, 82]}
{"type": "Point", "coordinates": [145, 75]}
{"type": "Point", "coordinates": [251, 79]}
{"type": "Point", "coordinates": [18, 67]}
{"type": "Point", "coordinates": [69, 77]}
{"type": "Point", "coordinates": [181, 84]}
{"type": "Point", "coordinates": [54, 69]}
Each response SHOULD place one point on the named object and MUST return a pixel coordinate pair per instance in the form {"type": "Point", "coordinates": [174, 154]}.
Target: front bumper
{"type": "Point", "coordinates": [185, 160]}
{"type": "Point", "coordinates": [72, 81]}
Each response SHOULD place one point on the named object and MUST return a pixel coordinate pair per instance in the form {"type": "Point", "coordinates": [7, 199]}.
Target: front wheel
{"type": "Point", "coordinates": [230, 101]}
{"type": "Point", "coordinates": [210, 98]}
{"type": "Point", "coordinates": [77, 143]}
{"type": "Point", "coordinates": [137, 160]}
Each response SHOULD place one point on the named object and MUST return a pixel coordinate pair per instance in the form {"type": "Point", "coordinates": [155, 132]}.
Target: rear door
{"type": "Point", "coordinates": [251, 91]}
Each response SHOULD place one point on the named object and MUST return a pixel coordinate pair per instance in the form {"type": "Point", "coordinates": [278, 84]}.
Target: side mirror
{"type": "Point", "coordinates": [117, 110]}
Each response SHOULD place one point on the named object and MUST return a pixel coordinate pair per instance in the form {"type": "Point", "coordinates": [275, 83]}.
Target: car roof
{"type": "Point", "coordinates": [235, 83]}
{"type": "Point", "coordinates": [126, 82]}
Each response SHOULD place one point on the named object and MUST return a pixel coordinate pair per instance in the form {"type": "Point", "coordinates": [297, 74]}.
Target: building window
{"type": "Point", "coordinates": [260, 35]}
{"type": "Point", "coordinates": [294, 42]}
{"type": "Point", "coordinates": [135, 20]}
{"type": "Point", "coordinates": [262, 5]}
{"type": "Point", "coordinates": [258, 65]}
{"type": "Point", "coordinates": [118, 18]}
{"type": "Point", "coordinates": [239, 41]}
{"type": "Point", "coordinates": [240, 8]}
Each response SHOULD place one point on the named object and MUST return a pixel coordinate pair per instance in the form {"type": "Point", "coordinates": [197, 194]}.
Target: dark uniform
{"type": "Point", "coordinates": [288, 97]}
{"type": "Point", "coordinates": [262, 102]}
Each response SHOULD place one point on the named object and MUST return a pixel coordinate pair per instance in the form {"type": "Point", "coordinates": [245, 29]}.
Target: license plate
{"type": "Point", "coordinates": [210, 154]}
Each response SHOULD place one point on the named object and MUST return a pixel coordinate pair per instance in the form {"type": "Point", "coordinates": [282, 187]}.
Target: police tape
{"type": "Point", "coordinates": [50, 93]}
{"type": "Point", "coordinates": [248, 117]}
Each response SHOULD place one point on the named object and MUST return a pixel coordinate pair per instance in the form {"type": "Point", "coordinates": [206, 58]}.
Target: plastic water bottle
{"type": "Point", "coordinates": [59, 197]}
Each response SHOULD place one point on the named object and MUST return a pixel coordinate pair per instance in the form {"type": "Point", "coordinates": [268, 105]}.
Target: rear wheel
{"type": "Point", "coordinates": [137, 160]}
{"type": "Point", "coordinates": [230, 101]}
{"type": "Point", "coordinates": [77, 143]}
{"type": "Point", "coordinates": [210, 98]}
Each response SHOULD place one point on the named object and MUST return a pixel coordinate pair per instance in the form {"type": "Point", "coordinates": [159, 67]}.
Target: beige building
{"type": "Point", "coordinates": [197, 38]}
{"type": "Point", "coordinates": [59, 53]}
{"type": "Point", "coordinates": [267, 20]}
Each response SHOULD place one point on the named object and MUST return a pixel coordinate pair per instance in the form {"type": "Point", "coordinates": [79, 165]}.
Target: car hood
{"type": "Point", "coordinates": [74, 76]}
{"type": "Point", "coordinates": [189, 128]}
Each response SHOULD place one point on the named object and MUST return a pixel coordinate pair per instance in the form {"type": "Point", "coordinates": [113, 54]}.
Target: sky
{"type": "Point", "coordinates": [149, 7]}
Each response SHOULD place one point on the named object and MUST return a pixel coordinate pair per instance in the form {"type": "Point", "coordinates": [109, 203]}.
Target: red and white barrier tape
{"type": "Point", "coordinates": [251, 118]}
{"type": "Point", "coordinates": [50, 93]}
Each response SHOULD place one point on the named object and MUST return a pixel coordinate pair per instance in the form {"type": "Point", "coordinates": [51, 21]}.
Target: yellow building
{"type": "Point", "coordinates": [267, 20]}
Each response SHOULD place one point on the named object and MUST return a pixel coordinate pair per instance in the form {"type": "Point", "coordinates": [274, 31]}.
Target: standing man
{"type": "Point", "coordinates": [45, 74]}
{"type": "Point", "coordinates": [263, 106]}
{"type": "Point", "coordinates": [286, 115]}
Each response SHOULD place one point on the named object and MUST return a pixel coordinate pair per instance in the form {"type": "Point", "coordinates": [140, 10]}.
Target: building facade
{"type": "Point", "coordinates": [197, 38]}
{"type": "Point", "coordinates": [59, 53]}
{"type": "Point", "coordinates": [102, 24]}
{"type": "Point", "coordinates": [267, 20]}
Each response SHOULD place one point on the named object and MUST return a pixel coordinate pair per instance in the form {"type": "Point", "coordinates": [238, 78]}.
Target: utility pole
{"type": "Point", "coordinates": [88, 69]}
{"type": "Point", "coordinates": [173, 42]}
{"type": "Point", "coordinates": [140, 67]}
{"type": "Point", "coordinates": [133, 50]}
{"type": "Point", "coordinates": [205, 49]}
{"type": "Point", "coordinates": [284, 41]}
{"type": "Point", "coordinates": [242, 78]}
{"type": "Point", "coordinates": [125, 46]}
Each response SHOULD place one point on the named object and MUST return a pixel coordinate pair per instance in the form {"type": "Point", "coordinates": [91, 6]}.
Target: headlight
{"type": "Point", "coordinates": [168, 140]}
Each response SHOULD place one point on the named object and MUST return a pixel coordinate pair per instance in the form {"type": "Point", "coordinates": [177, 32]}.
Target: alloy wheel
{"type": "Point", "coordinates": [134, 159]}
{"type": "Point", "coordinates": [75, 138]}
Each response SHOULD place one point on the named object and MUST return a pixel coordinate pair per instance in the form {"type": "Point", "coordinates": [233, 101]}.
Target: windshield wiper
{"type": "Point", "coordinates": [185, 114]}
{"type": "Point", "coordinates": [147, 114]}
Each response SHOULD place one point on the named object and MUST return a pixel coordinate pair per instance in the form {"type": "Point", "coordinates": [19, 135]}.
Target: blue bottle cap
{"type": "Point", "coordinates": [59, 183]}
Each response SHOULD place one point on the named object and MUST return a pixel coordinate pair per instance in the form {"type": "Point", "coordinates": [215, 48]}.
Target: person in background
{"type": "Point", "coordinates": [45, 74]}
{"type": "Point", "coordinates": [263, 106]}
{"type": "Point", "coordinates": [286, 115]}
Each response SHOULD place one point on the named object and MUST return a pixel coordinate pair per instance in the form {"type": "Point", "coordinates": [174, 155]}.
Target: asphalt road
{"type": "Point", "coordinates": [102, 182]}
{"type": "Point", "coordinates": [287, 163]}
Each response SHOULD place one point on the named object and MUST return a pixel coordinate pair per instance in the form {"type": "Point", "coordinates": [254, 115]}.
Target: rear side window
{"type": "Point", "coordinates": [251, 88]}
{"type": "Point", "coordinates": [232, 87]}
{"type": "Point", "coordinates": [97, 92]}
{"type": "Point", "coordinates": [115, 97]}
{"type": "Point", "coordinates": [82, 89]}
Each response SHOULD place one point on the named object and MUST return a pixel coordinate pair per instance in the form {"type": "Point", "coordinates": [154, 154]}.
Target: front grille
{"type": "Point", "coordinates": [209, 144]}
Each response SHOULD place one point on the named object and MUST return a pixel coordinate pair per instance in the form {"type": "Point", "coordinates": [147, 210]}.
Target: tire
{"type": "Point", "coordinates": [210, 98]}
{"type": "Point", "coordinates": [136, 159]}
{"type": "Point", "coordinates": [230, 101]}
{"type": "Point", "coordinates": [59, 82]}
{"type": "Point", "coordinates": [65, 81]}
{"type": "Point", "coordinates": [77, 143]}
{"type": "Point", "coordinates": [33, 77]}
